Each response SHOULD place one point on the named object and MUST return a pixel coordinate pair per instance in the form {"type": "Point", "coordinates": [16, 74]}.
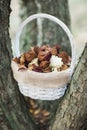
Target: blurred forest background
{"type": "Point", "coordinates": [78, 12]}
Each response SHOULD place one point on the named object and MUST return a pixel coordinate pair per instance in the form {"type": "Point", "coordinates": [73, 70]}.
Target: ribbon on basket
{"type": "Point", "coordinates": [44, 86]}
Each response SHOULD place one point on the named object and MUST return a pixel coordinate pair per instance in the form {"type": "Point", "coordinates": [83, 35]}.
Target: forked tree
{"type": "Point", "coordinates": [70, 111]}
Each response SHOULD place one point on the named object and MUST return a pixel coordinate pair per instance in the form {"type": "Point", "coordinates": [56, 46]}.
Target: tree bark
{"type": "Point", "coordinates": [12, 104]}
{"type": "Point", "coordinates": [44, 31]}
{"type": "Point", "coordinates": [14, 114]}
{"type": "Point", "coordinates": [72, 111]}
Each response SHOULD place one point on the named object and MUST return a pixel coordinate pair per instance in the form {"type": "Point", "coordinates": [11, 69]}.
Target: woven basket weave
{"type": "Point", "coordinates": [44, 86]}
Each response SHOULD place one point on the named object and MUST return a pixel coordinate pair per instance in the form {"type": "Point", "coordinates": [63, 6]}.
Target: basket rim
{"type": "Point", "coordinates": [54, 79]}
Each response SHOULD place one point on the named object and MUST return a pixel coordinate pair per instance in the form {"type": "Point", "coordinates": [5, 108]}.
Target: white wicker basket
{"type": "Point", "coordinates": [44, 86]}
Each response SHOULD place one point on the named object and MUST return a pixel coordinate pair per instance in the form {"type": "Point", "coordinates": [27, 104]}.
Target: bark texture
{"type": "Point", "coordinates": [72, 111]}
{"type": "Point", "coordinates": [12, 110]}
{"type": "Point", "coordinates": [43, 31]}
{"type": "Point", "coordinates": [14, 114]}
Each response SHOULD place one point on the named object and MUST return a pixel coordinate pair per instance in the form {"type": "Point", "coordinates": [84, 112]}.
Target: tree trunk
{"type": "Point", "coordinates": [13, 110]}
{"type": "Point", "coordinates": [44, 31]}
{"type": "Point", "coordinates": [14, 114]}
{"type": "Point", "coordinates": [72, 111]}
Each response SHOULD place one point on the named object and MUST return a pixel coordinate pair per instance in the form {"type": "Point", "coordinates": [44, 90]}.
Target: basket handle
{"type": "Point", "coordinates": [54, 19]}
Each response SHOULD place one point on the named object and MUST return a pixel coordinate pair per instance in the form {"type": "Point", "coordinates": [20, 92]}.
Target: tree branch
{"type": "Point", "coordinates": [72, 111]}
{"type": "Point", "coordinates": [13, 110]}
